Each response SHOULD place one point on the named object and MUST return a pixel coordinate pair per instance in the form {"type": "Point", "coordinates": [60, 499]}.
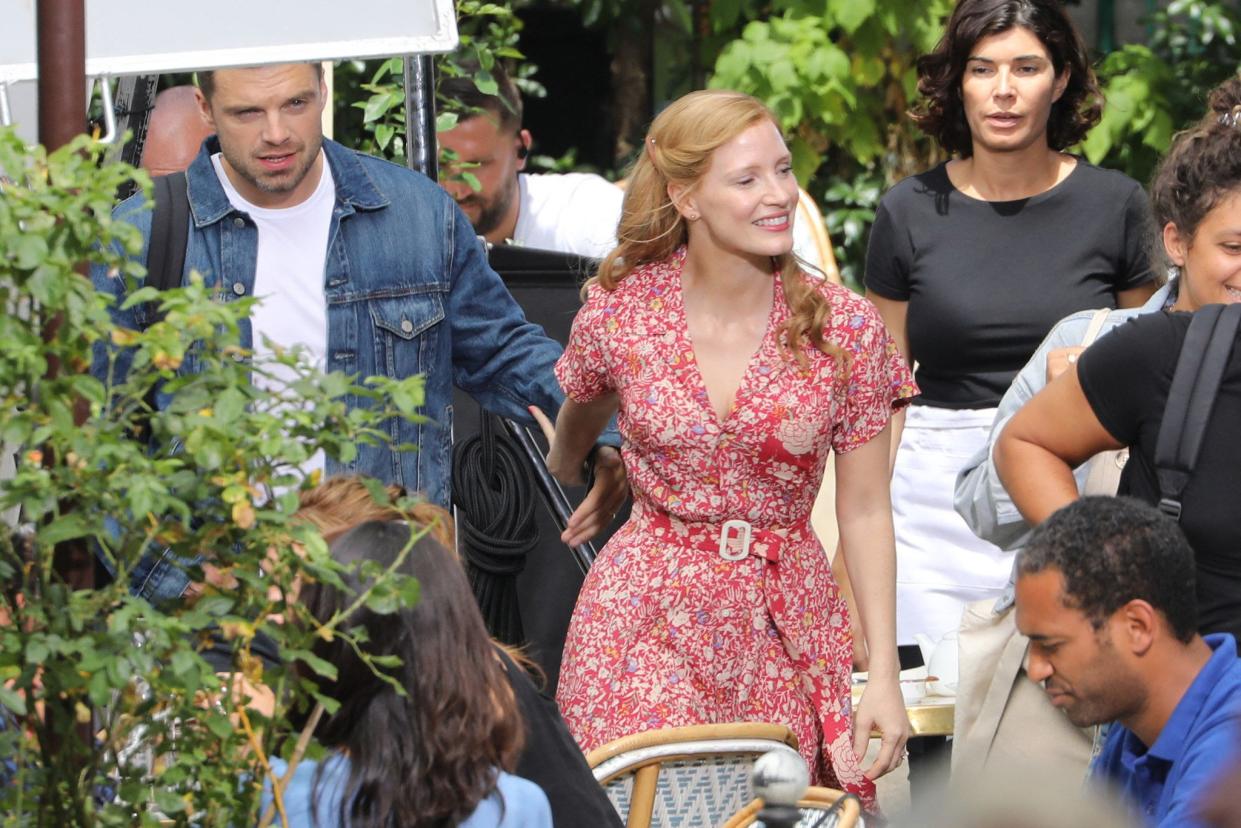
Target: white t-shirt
{"type": "Point", "coordinates": [288, 276]}
{"type": "Point", "coordinates": [572, 213]}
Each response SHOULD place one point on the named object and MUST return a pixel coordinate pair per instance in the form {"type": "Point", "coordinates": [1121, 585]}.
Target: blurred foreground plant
{"type": "Point", "coordinates": [108, 713]}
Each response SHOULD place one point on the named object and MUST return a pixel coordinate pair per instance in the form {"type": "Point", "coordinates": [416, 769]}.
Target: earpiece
{"type": "Point", "coordinates": [522, 151]}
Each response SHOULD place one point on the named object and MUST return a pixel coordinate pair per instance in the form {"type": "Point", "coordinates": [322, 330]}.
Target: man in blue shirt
{"type": "Point", "coordinates": [1105, 593]}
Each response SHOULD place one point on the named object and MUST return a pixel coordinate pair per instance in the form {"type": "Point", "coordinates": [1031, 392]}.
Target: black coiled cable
{"type": "Point", "coordinates": [494, 495]}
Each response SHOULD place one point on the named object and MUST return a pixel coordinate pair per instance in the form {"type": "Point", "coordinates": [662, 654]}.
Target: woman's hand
{"type": "Point", "coordinates": [568, 472]}
{"type": "Point", "coordinates": [882, 709]}
{"type": "Point", "coordinates": [1059, 360]}
{"type": "Point", "coordinates": [606, 495]}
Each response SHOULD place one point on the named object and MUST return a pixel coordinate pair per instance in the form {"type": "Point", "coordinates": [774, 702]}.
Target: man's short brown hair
{"type": "Point", "coordinates": [206, 78]}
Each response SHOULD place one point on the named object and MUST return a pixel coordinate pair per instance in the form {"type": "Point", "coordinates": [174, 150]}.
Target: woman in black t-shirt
{"type": "Point", "coordinates": [972, 262]}
{"type": "Point", "coordinates": [1116, 393]}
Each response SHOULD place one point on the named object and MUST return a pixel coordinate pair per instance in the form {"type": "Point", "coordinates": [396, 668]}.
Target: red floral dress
{"type": "Point", "coordinates": [669, 629]}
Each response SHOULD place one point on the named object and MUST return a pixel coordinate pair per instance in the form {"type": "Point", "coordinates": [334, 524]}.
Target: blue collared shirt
{"type": "Point", "coordinates": [1168, 782]}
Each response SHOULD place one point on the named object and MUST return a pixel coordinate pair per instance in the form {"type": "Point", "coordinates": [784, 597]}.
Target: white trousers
{"type": "Point", "coordinates": [940, 564]}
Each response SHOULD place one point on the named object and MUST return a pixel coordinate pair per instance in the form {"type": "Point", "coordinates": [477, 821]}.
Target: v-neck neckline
{"type": "Point", "coordinates": [700, 392]}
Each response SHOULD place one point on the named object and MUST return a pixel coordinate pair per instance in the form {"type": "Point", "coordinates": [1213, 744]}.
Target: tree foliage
{"type": "Point", "coordinates": [488, 33]}
{"type": "Point", "coordinates": [109, 715]}
{"type": "Point", "coordinates": [839, 75]}
{"type": "Point", "coordinates": [1157, 88]}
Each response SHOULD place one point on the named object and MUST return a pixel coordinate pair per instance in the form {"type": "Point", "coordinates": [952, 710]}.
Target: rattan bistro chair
{"type": "Point", "coordinates": [820, 808]}
{"type": "Point", "coordinates": [685, 777]}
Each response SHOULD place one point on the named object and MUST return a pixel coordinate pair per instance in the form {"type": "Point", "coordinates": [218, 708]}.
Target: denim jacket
{"type": "Point", "coordinates": [408, 291]}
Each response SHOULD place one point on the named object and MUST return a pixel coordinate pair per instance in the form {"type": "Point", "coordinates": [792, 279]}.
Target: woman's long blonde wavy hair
{"type": "Point", "coordinates": [678, 149]}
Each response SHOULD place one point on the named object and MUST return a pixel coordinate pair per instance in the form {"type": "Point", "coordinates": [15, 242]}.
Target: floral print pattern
{"type": "Point", "coordinates": [668, 631]}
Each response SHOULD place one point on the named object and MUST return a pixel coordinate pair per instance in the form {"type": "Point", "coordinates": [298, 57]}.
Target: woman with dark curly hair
{"type": "Point", "coordinates": [434, 755]}
{"type": "Point", "coordinates": [972, 262]}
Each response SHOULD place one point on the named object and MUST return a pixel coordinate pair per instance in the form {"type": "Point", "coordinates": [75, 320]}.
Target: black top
{"type": "Point", "coordinates": [1126, 376]}
{"type": "Point", "coordinates": [986, 280]}
{"type": "Point", "coordinates": [552, 759]}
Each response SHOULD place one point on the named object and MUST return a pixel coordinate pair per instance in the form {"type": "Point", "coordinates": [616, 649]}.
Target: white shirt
{"type": "Point", "coordinates": [288, 277]}
{"type": "Point", "coordinates": [571, 213]}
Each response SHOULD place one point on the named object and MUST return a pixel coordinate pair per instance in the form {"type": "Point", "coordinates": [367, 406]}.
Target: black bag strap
{"type": "Point", "coordinates": [1199, 369]}
{"type": "Point", "coordinates": [170, 231]}
{"type": "Point", "coordinates": [170, 235]}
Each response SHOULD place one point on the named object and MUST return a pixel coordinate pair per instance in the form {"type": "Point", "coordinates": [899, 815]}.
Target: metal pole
{"type": "Point", "coordinates": [135, 98]}
{"type": "Point", "coordinates": [553, 496]}
{"type": "Point", "coordinates": [61, 48]}
{"type": "Point", "coordinates": [61, 55]}
{"type": "Point", "coordinates": [421, 151]}
{"type": "Point", "coordinates": [1106, 16]}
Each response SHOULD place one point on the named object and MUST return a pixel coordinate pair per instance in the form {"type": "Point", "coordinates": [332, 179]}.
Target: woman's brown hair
{"type": "Point", "coordinates": [1202, 168]}
{"type": "Point", "coordinates": [678, 150]}
{"type": "Point", "coordinates": [429, 755]}
{"type": "Point", "coordinates": [342, 502]}
{"type": "Point", "coordinates": [941, 113]}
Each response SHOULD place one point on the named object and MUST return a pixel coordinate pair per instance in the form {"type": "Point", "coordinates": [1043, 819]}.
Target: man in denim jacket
{"type": "Point", "coordinates": [368, 265]}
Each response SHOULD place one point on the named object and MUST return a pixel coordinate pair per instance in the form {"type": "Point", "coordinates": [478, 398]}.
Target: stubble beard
{"type": "Point", "coordinates": [280, 183]}
{"type": "Point", "coordinates": [492, 213]}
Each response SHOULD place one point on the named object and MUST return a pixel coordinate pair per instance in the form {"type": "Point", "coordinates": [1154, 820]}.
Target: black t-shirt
{"type": "Point", "coordinates": [986, 280]}
{"type": "Point", "coordinates": [1126, 376]}
{"type": "Point", "coordinates": [553, 761]}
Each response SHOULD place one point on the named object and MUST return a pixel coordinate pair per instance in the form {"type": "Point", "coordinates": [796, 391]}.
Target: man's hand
{"type": "Point", "coordinates": [602, 502]}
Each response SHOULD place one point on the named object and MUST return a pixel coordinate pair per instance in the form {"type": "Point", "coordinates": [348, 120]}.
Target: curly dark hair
{"type": "Point", "coordinates": [427, 757]}
{"type": "Point", "coordinates": [941, 114]}
{"type": "Point", "coordinates": [1112, 550]}
{"type": "Point", "coordinates": [1202, 168]}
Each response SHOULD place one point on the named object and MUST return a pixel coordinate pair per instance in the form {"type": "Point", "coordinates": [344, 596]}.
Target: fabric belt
{"type": "Point", "coordinates": [732, 540]}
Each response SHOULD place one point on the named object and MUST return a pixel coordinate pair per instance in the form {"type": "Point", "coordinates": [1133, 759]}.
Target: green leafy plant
{"type": "Point", "coordinates": [854, 202]}
{"type": "Point", "coordinates": [488, 33]}
{"type": "Point", "coordinates": [1157, 88]}
{"type": "Point", "coordinates": [109, 715]}
{"type": "Point", "coordinates": [840, 77]}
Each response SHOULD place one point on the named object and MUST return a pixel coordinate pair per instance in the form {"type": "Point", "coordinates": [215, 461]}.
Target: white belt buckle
{"type": "Point", "coordinates": [746, 531]}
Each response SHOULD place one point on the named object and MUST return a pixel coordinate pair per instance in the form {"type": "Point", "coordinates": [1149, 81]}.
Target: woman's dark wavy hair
{"type": "Point", "coordinates": [940, 73]}
{"type": "Point", "coordinates": [429, 757]}
{"type": "Point", "coordinates": [1202, 168]}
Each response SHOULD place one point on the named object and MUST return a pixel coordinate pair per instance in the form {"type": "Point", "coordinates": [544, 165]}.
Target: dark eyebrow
{"type": "Point", "coordinates": [1017, 59]}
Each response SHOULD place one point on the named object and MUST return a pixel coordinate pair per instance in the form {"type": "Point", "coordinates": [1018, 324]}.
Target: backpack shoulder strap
{"type": "Point", "coordinates": [170, 232]}
{"type": "Point", "coordinates": [1096, 325]}
{"type": "Point", "coordinates": [1199, 369]}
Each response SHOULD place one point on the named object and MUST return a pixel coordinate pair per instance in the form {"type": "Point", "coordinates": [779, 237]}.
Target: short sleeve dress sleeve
{"type": "Point", "coordinates": [879, 380]}
{"type": "Point", "coordinates": [583, 370]}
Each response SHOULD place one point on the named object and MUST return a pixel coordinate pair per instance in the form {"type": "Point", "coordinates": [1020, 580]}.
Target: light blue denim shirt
{"type": "Point", "coordinates": [515, 802]}
{"type": "Point", "coordinates": [980, 498]}
{"type": "Point", "coordinates": [409, 291]}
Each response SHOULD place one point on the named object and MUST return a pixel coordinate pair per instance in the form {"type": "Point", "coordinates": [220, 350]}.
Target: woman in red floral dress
{"type": "Point", "coordinates": [735, 374]}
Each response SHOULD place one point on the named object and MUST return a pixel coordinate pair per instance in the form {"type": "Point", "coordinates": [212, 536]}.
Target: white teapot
{"type": "Point", "coordinates": [941, 663]}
